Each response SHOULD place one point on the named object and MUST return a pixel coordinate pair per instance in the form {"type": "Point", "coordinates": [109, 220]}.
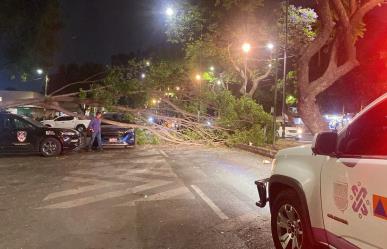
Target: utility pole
{"type": "Point", "coordinates": [285, 70]}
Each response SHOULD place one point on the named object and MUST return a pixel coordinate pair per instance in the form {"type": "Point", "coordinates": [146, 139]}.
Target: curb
{"type": "Point", "coordinates": [257, 150]}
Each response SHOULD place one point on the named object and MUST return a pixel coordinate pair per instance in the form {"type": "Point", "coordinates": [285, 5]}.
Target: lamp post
{"type": "Point", "coordinates": [246, 47]}
{"type": "Point", "coordinates": [40, 71]}
{"type": "Point", "coordinates": [275, 96]}
{"type": "Point", "coordinates": [285, 69]}
{"type": "Point", "coordinates": [198, 78]}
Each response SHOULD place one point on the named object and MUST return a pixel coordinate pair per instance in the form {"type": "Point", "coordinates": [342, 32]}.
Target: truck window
{"type": "Point", "coordinates": [65, 118]}
{"type": "Point", "coordinates": [367, 136]}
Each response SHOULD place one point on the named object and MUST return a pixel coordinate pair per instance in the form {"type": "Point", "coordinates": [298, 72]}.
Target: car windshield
{"type": "Point", "coordinates": [32, 121]}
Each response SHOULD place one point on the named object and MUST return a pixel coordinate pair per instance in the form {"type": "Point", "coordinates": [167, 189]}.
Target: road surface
{"type": "Point", "coordinates": [148, 197]}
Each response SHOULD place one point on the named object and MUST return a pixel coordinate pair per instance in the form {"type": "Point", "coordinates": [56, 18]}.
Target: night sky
{"type": "Point", "coordinates": [94, 30]}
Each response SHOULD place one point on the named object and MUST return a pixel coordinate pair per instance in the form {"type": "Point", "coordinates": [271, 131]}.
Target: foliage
{"type": "Point", "coordinates": [302, 24]}
{"type": "Point", "coordinates": [242, 115]}
{"type": "Point", "coordinates": [186, 24]}
{"type": "Point", "coordinates": [256, 136]}
{"type": "Point", "coordinates": [28, 32]}
{"type": "Point", "coordinates": [145, 137]}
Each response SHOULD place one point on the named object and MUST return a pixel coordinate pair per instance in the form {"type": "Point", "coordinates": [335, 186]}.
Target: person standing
{"type": "Point", "coordinates": [95, 129]}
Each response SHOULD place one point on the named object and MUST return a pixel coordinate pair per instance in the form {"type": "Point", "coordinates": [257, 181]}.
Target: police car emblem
{"type": "Point", "coordinates": [21, 136]}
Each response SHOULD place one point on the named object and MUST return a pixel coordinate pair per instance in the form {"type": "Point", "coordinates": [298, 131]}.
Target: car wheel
{"type": "Point", "coordinates": [50, 147]}
{"type": "Point", "coordinates": [80, 128]}
{"type": "Point", "coordinates": [289, 223]}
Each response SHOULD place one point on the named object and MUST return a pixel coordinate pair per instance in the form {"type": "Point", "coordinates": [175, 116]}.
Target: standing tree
{"type": "Point", "coordinates": [340, 26]}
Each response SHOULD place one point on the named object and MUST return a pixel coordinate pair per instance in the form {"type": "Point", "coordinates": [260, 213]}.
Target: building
{"type": "Point", "coordinates": [27, 110]}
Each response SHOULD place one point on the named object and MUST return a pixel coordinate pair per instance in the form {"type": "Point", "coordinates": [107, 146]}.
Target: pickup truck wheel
{"type": "Point", "coordinates": [80, 128]}
{"type": "Point", "coordinates": [50, 147]}
{"type": "Point", "coordinates": [288, 223]}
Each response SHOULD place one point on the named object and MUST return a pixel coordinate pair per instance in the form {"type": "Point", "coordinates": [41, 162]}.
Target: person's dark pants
{"type": "Point", "coordinates": [99, 140]}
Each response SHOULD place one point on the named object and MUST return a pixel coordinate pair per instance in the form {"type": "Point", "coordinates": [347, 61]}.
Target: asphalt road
{"type": "Point", "coordinates": [150, 197]}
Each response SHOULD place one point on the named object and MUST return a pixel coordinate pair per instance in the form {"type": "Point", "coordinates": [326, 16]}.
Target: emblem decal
{"type": "Point", "coordinates": [360, 203]}
{"type": "Point", "coordinates": [21, 136]}
{"type": "Point", "coordinates": [50, 133]}
{"type": "Point", "coordinates": [380, 206]}
{"type": "Point", "coordinates": [340, 190]}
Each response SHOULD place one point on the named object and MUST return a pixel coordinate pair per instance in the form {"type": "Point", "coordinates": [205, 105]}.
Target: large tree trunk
{"type": "Point", "coordinates": [312, 118]}
{"type": "Point", "coordinates": [340, 34]}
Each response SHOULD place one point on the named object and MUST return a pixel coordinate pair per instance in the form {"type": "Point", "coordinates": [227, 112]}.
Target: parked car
{"type": "Point", "coordinates": [333, 192]}
{"type": "Point", "coordinates": [291, 131]}
{"type": "Point", "coordinates": [113, 136]}
{"type": "Point", "coordinates": [19, 134]}
{"type": "Point", "coordinates": [68, 122]}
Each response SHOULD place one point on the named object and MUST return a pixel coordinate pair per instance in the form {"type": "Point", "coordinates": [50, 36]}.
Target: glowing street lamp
{"type": "Point", "coordinates": [212, 68]}
{"type": "Point", "coordinates": [270, 46]}
{"type": "Point", "coordinates": [154, 101]}
{"type": "Point", "coordinates": [219, 82]}
{"type": "Point", "coordinates": [198, 77]}
{"type": "Point", "coordinates": [39, 71]}
{"type": "Point", "coordinates": [169, 12]}
{"type": "Point", "coordinates": [143, 76]}
{"type": "Point", "coordinates": [147, 63]}
{"type": "Point", "coordinates": [246, 47]}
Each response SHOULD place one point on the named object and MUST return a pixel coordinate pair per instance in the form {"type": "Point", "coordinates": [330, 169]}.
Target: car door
{"type": "Point", "coordinates": [20, 135]}
{"type": "Point", "coordinates": [354, 186]}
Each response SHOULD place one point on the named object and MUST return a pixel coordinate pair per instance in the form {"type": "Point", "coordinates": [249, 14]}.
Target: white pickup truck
{"type": "Point", "coordinates": [333, 193]}
{"type": "Point", "coordinates": [68, 122]}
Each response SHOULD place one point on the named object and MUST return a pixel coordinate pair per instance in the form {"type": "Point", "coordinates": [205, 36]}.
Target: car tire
{"type": "Point", "coordinates": [50, 147]}
{"type": "Point", "coordinates": [81, 128]}
{"type": "Point", "coordinates": [289, 223]}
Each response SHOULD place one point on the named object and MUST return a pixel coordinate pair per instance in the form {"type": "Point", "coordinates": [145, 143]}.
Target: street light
{"type": "Point", "coordinates": [219, 82]}
{"type": "Point", "coordinates": [39, 71]}
{"type": "Point", "coordinates": [143, 76]}
{"type": "Point", "coordinates": [270, 46]}
{"type": "Point", "coordinates": [212, 68]}
{"type": "Point", "coordinates": [198, 77]}
{"type": "Point", "coordinates": [169, 12]}
{"type": "Point", "coordinates": [147, 63]}
{"type": "Point", "coordinates": [246, 47]}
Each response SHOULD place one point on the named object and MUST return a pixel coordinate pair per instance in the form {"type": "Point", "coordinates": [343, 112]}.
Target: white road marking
{"type": "Point", "coordinates": [210, 203]}
{"type": "Point", "coordinates": [97, 184]}
{"type": "Point", "coordinates": [163, 153]}
{"type": "Point", "coordinates": [109, 195]}
{"type": "Point", "coordinates": [163, 196]}
{"type": "Point", "coordinates": [124, 176]}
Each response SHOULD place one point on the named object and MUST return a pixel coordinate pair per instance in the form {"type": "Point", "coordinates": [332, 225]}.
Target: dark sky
{"type": "Point", "coordinates": [96, 29]}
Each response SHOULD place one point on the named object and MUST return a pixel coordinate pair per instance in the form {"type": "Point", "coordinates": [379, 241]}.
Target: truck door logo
{"type": "Point", "coordinates": [380, 206]}
{"type": "Point", "coordinates": [360, 203]}
{"type": "Point", "coordinates": [21, 136]}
